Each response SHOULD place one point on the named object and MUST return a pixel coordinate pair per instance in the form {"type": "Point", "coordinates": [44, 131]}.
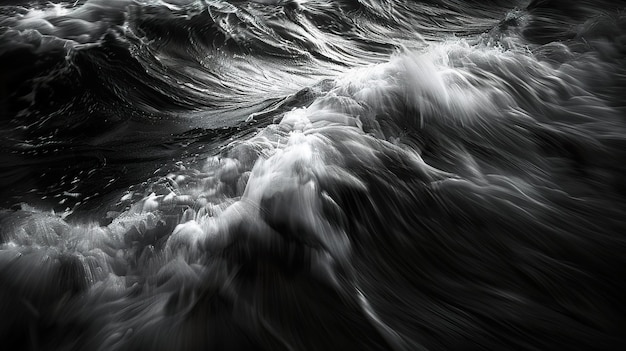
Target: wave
{"type": "Point", "coordinates": [196, 54]}
{"type": "Point", "coordinates": [313, 175]}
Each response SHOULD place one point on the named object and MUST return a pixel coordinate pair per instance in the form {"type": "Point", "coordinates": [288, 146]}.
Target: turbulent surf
{"type": "Point", "coordinates": [312, 175]}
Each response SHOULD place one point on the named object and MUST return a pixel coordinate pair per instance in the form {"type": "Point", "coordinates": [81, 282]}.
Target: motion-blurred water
{"type": "Point", "coordinates": [312, 175]}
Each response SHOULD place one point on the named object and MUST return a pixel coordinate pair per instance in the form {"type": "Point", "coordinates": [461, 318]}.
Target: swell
{"type": "Point", "coordinates": [194, 55]}
{"type": "Point", "coordinates": [93, 73]}
{"type": "Point", "coordinates": [463, 195]}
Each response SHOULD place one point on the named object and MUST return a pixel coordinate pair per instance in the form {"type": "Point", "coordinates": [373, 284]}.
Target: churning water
{"type": "Point", "coordinates": [312, 175]}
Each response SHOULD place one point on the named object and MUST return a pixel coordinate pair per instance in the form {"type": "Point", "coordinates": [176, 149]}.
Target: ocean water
{"type": "Point", "coordinates": [312, 175]}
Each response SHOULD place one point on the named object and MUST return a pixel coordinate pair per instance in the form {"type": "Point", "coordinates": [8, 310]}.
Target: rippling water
{"type": "Point", "coordinates": [313, 175]}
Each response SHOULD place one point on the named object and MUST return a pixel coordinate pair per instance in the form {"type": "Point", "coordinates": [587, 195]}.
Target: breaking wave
{"type": "Point", "coordinates": [313, 175]}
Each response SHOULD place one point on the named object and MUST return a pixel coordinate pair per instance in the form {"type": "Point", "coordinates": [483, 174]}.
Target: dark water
{"type": "Point", "coordinates": [313, 175]}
